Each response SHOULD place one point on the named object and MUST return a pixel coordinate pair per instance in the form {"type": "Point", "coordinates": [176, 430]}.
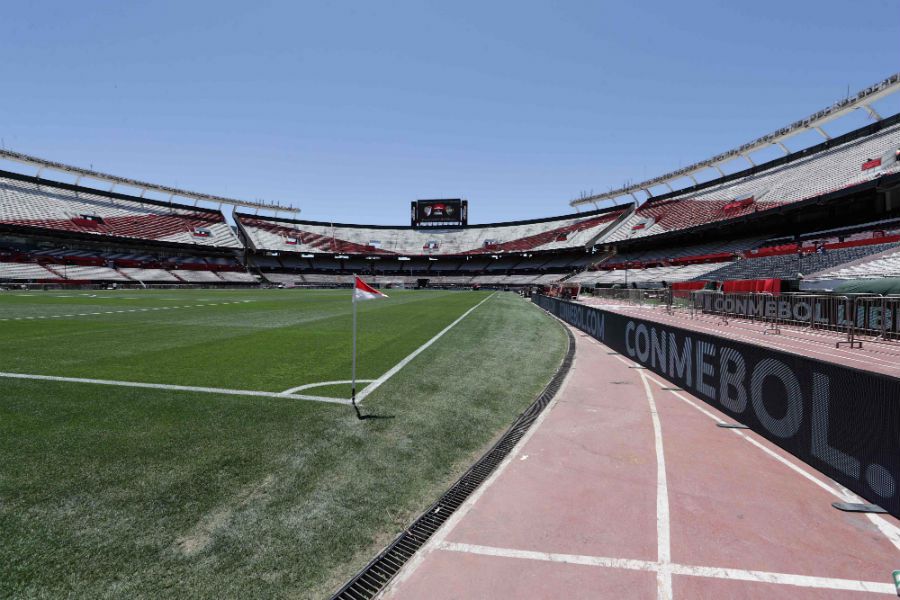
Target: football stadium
{"type": "Point", "coordinates": [684, 387]}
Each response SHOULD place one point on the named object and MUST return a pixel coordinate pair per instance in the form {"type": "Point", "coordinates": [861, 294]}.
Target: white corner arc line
{"type": "Point", "coordinates": [307, 386]}
{"type": "Point", "coordinates": [393, 371]}
{"type": "Point", "coordinates": [178, 388]}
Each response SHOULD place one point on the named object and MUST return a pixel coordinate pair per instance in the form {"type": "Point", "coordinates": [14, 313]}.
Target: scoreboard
{"type": "Point", "coordinates": [440, 213]}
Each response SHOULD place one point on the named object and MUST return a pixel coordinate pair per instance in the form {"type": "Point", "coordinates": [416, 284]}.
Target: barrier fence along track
{"type": "Point", "coordinates": [859, 317]}
{"type": "Point", "coordinates": [855, 315]}
{"type": "Point", "coordinates": [376, 575]}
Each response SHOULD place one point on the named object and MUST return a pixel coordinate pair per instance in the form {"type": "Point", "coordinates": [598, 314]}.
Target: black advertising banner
{"type": "Point", "coordinates": [842, 421]}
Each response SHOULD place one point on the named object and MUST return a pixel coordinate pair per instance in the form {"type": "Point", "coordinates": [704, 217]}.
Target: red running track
{"type": "Point", "coordinates": [625, 489]}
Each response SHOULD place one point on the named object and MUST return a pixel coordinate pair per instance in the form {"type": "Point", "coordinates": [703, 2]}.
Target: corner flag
{"type": "Point", "coordinates": [361, 291]}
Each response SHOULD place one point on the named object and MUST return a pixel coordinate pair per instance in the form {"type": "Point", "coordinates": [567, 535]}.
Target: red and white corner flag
{"type": "Point", "coordinates": [364, 291]}
{"type": "Point", "coordinates": [361, 291]}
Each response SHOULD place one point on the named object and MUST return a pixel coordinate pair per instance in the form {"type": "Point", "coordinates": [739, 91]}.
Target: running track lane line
{"type": "Point", "coordinates": [805, 581]}
{"type": "Point", "coordinates": [663, 538]}
{"type": "Point", "coordinates": [890, 531]}
{"type": "Point", "coordinates": [177, 388]}
{"type": "Point", "coordinates": [377, 383]}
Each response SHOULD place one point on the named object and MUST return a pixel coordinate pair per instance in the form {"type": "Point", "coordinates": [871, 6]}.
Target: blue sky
{"type": "Point", "coordinates": [349, 110]}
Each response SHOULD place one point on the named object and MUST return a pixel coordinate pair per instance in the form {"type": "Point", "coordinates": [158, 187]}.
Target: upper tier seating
{"type": "Point", "coordinates": [687, 252]}
{"type": "Point", "coordinates": [653, 276]}
{"type": "Point", "coordinates": [565, 232]}
{"type": "Point", "coordinates": [45, 206]}
{"type": "Point", "coordinates": [807, 177]}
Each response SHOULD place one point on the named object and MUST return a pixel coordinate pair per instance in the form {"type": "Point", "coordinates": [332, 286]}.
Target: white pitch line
{"type": "Point", "coordinates": [806, 581]}
{"type": "Point", "coordinates": [307, 386]}
{"type": "Point", "coordinates": [378, 382]}
{"type": "Point", "coordinates": [179, 388]}
{"type": "Point", "coordinates": [663, 542]}
{"type": "Point", "coordinates": [133, 310]}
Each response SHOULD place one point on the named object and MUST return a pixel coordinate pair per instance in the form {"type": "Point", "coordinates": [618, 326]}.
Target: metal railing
{"type": "Point", "coordinates": [872, 317]}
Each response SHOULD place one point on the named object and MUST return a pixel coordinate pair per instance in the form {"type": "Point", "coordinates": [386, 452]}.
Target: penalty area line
{"type": "Point", "coordinates": [176, 388]}
{"type": "Point", "coordinates": [393, 371]}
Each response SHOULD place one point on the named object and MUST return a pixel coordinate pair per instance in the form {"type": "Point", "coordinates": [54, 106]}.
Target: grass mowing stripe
{"type": "Point", "coordinates": [378, 382]}
{"type": "Point", "coordinates": [277, 342]}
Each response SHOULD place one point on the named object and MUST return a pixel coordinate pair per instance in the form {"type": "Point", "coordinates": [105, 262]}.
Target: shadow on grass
{"type": "Point", "coordinates": [363, 417]}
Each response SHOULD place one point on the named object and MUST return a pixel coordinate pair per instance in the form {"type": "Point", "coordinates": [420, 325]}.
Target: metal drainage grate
{"type": "Point", "coordinates": [374, 576]}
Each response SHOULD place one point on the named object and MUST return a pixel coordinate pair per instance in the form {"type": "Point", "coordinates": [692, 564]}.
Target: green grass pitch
{"type": "Point", "coordinates": [123, 492]}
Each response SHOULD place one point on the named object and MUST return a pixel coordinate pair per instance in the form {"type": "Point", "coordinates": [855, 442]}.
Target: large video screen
{"type": "Point", "coordinates": [440, 213]}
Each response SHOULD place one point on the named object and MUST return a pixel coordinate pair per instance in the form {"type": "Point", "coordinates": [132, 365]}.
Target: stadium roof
{"type": "Point", "coordinates": [862, 99]}
{"type": "Point", "coordinates": [144, 186]}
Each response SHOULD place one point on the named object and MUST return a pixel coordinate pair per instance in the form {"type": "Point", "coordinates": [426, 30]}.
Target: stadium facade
{"type": "Point", "coordinates": [811, 219]}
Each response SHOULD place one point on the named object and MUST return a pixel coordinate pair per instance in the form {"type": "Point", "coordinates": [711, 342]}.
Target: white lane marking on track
{"type": "Point", "coordinates": [889, 530]}
{"type": "Point", "coordinates": [393, 371]}
{"type": "Point", "coordinates": [307, 386]}
{"type": "Point", "coordinates": [807, 581]}
{"type": "Point", "coordinates": [663, 543]}
{"type": "Point", "coordinates": [179, 388]}
{"type": "Point", "coordinates": [447, 528]}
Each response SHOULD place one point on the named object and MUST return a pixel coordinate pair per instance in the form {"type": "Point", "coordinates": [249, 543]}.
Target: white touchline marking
{"type": "Point", "coordinates": [180, 388]}
{"type": "Point", "coordinates": [444, 530]}
{"type": "Point", "coordinates": [393, 371]}
{"type": "Point", "coordinates": [110, 312]}
{"type": "Point", "coordinates": [807, 581]}
{"type": "Point", "coordinates": [307, 386]}
{"type": "Point", "coordinates": [663, 543]}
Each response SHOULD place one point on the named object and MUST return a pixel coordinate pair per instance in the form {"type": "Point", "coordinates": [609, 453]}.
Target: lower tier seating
{"type": "Point", "coordinates": [793, 266]}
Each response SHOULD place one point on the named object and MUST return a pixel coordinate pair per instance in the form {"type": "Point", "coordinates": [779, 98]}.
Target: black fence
{"type": "Point", "coordinates": [873, 315]}
{"type": "Point", "coordinates": [842, 421]}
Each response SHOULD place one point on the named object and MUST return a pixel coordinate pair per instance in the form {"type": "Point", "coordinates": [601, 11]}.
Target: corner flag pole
{"type": "Point", "coordinates": [353, 363]}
